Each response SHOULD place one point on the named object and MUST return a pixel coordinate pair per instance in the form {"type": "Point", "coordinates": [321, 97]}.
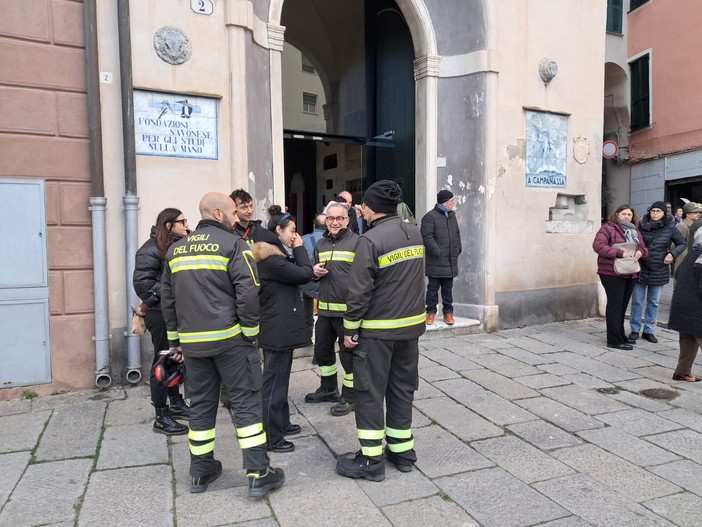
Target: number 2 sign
{"type": "Point", "coordinates": [202, 7]}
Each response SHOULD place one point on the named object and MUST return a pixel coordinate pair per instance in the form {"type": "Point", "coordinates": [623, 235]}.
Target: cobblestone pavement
{"type": "Point", "coordinates": [536, 426]}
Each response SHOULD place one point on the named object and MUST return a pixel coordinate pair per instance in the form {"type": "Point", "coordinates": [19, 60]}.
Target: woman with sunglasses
{"type": "Point", "coordinates": [170, 226]}
{"type": "Point", "coordinates": [283, 265]}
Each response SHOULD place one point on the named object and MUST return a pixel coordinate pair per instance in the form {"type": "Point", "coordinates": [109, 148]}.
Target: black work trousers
{"type": "Point", "coordinates": [157, 329]}
{"type": "Point", "coordinates": [239, 368]}
{"type": "Point", "coordinates": [276, 380]}
{"type": "Point", "coordinates": [327, 331]}
{"type": "Point", "coordinates": [618, 289]}
{"type": "Point", "coordinates": [385, 370]}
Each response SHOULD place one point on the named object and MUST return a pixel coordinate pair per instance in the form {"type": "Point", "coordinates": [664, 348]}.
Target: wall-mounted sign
{"type": "Point", "coordinates": [175, 125]}
{"type": "Point", "coordinates": [546, 149]}
{"type": "Point", "coordinates": [202, 7]}
{"type": "Point", "coordinates": [609, 149]}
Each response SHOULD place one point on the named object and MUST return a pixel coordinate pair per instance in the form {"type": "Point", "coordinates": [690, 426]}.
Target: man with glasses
{"type": "Point", "coordinates": [333, 256]}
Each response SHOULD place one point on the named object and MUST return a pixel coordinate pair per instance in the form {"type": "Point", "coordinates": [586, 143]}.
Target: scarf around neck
{"type": "Point", "coordinates": [630, 232]}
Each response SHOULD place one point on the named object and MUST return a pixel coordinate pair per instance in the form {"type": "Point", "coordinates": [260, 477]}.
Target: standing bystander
{"type": "Point", "coordinates": [442, 240]}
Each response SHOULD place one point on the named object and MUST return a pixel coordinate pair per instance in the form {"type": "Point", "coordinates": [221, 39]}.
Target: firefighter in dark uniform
{"type": "Point", "coordinates": [209, 300]}
{"type": "Point", "coordinates": [333, 256]}
{"type": "Point", "coordinates": [384, 319]}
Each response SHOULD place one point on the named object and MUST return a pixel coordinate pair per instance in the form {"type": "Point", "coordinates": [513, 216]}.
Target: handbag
{"type": "Point", "coordinates": [626, 266]}
{"type": "Point", "coordinates": [138, 322]}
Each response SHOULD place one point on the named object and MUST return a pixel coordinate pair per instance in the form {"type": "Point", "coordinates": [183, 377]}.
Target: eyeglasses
{"type": "Point", "coordinates": [336, 219]}
{"type": "Point", "coordinates": [183, 221]}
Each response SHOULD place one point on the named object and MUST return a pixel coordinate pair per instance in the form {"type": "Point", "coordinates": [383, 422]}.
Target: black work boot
{"type": "Point", "coordinates": [361, 466]}
{"type": "Point", "coordinates": [322, 395]}
{"type": "Point", "coordinates": [401, 463]}
{"type": "Point", "coordinates": [343, 407]}
{"type": "Point", "coordinates": [178, 406]}
{"type": "Point", "coordinates": [164, 423]}
{"type": "Point", "coordinates": [262, 482]}
{"type": "Point", "coordinates": [199, 484]}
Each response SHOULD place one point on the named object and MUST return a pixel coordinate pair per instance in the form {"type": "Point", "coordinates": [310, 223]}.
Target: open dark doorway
{"type": "Point", "coordinates": [362, 52]}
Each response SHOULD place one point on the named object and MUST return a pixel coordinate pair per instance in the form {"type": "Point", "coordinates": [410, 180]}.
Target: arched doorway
{"type": "Point", "coordinates": [373, 57]}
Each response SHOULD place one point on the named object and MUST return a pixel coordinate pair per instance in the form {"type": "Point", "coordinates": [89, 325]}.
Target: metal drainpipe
{"type": "Point", "coordinates": [98, 201]}
{"type": "Point", "coordinates": [130, 199]}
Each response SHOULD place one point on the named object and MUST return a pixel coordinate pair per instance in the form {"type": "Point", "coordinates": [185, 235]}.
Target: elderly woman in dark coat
{"type": "Point", "coordinates": [283, 265]}
{"type": "Point", "coordinates": [620, 228]}
{"type": "Point", "coordinates": [686, 310]}
{"type": "Point", "coordinates": [659, 232]}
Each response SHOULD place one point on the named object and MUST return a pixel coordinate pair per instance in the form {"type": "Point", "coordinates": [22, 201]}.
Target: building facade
{"type": "Point", "coordinates": [481, 97]}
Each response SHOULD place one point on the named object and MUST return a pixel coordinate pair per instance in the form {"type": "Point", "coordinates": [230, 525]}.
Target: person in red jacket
{"type": "Point", "coordinates": [621, 227]}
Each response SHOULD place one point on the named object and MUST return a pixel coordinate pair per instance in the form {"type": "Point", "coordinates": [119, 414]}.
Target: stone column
{"type": "Point", "coordinates": [426, 76]}
{"type": "Point", "coordinates": [276, 39]}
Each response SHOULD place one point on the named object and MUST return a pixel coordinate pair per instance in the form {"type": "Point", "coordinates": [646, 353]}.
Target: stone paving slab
{"type": "Point", "coordinates": [682, 509]}
{"type": "Point", "coordinates": [73, 431]}
{"type": "Point", "coordinates": [63, 400]}
{"type": "Point", "coordinates": [521, 459]}
{"type": "Point", "coordinates": [497, 499]}
{"type": "Point", "coordinates": [311, 484]}
{"type": "Point", "coordinates": [440, 453]}
{"type": "Point", "coordinates": [145, 493]}
{"type": "Point", "coordinates": [656, 373]}
{"type": "Point", "coordinates": [426, 390]}
{"type": "Point", "coordinates": [221, 506]}
{"type": "Point", "coordinates": [506, 365]}
{"type": "Point", "coordinates": [437, 373]}
{"type": "Point", "coordinates": [583, 400]}
{"type": "Point", "coordinates": [585, 380]}
{"type": "Point", "coordinates": [429, 512]}
{"type": "Point", "coordinates": [542, 380]}
{"type": "Point", "coordinates": [639, 401]}
{"type": "Point", "coordinates": [457, 419]}
{"type": "Point", "coordinates": [490, 406]}
{"type": "Point", "coordinates": [639, 422]}
{"type": "Point", "coordinates": [544, 435]}
{"type": "Point", "coordinates": [534, 345]}
{"type": "Point", "coordinates": [691, 401]}
{"type": "Point", "coordinates": [622, 361]}
{"type": "Point", "coordinates": [593, 367]}
{"type": "Point", "coordinates": [685, 417]}
{"type": "Point", "coordinates": [556, 368]}
{"type": "Point", "coordinates": [339, 433]}
{"type": "Point", "coordinates": [628, 447]}
{"type": "Point", "coordinates": [686, 474]}
{"type": "Point", "coordinates": [12, 466]}
{"type": "Point", "coordinates": [570, 521]}
{"type": "Point", "coordinates": [132, 445]}
{"type": "Point", "coordinates": [130, 411]}
{"type": "Point", "coordinates": [627, 479]}
{"type": "Point", "coordinates": [527, 357]}
{"type": "Point", "coordinates": [686, 443]}
{"type": "Point", "coordinates": [449, 359]}
{"type": "Point", "coordinates": [597, 504]}
{"type": "Point", "coordinates": [17, 406]}
{"type": "Point", "coordinates": [398, 487]}
{"type": "Point", "coordinates": [53, 489]}
{"type": "Point", "coordinates": [559, 414]}
{"type": "Point", "coordinates": [22, 431]}
{"type": "Point", "coordinates": [502, 386]}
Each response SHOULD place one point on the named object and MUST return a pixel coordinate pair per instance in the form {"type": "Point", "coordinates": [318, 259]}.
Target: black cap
{"type": "Point", "coordinates": [383, 196]}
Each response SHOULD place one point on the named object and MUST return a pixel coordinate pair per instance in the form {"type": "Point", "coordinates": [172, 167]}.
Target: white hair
{"type": "Point", "coordinates": [335, 204]}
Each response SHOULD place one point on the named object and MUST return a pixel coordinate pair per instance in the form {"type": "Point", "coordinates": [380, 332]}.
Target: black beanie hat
{"type": "Point", "coordinates": [383, 196]}
{"type": "Point", "coordinates": [443, 196]}
{"type": "Point", "coordinates": [658, 205]}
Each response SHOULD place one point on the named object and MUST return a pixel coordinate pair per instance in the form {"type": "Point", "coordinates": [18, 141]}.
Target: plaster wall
{"type": "Point", "coordinates": [670, 30]}
{"type": "Point", "coordinates": [527, 258]}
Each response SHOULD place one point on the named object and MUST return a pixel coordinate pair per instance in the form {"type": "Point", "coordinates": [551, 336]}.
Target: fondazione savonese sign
{"type": "Point", "coordinates": [175, 125]}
